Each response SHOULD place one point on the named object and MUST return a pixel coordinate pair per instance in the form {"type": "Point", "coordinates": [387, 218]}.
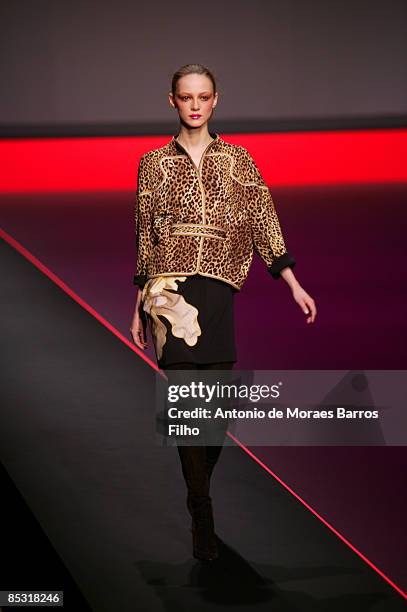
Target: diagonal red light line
{"type": "Point", "coordinates": [321, 518]}
{"type": "Point", "coordinates": [21, 249]}
{"type": "Point", "coordinates": [38, 264]}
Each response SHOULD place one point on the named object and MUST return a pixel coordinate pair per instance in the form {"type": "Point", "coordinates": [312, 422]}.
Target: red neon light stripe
{"type": "Point", "coordinates": [21, 249]}
{"type": "Point", "coordinates": [38, 264]}
{"type": "Point", "coordinates": [292, 159]}
{"type": "Point", "coordinates": [324, 521]}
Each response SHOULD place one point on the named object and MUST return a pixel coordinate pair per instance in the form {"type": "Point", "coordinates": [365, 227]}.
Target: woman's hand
{"type": "Point", "coordinates": [305, 302]}
{"type": "Point", "coordinates": [138, 327]}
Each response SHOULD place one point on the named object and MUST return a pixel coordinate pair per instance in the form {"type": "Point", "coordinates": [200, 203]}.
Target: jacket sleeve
{"type": "Point", "coordinates": [268, 240]}
{"type": "Point", "coordinates": [142, 224]}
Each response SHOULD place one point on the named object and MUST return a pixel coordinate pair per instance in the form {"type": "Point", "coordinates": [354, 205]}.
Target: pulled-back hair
{"type": "Point", "coordinates": [191, 69]}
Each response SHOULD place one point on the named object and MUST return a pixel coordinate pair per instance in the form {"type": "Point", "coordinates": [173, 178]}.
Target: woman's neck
{"type": "Point", "coordinates": [195, 138]}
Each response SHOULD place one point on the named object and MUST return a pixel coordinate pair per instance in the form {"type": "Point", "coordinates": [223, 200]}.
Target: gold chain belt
{"type": "Point", "coordinates": [198, 229]}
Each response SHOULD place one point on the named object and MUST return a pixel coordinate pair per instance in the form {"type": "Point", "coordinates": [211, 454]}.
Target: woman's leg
{"type": "Point", "coordinates": [196, 475]}
{"type": "Point", "coordinates": [193, 458]}
{"type": "Point", "coordinates": [213, 452]}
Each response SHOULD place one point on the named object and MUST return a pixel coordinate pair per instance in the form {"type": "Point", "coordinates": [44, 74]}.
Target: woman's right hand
{"type": "Point", "coordinates": [138, 327]}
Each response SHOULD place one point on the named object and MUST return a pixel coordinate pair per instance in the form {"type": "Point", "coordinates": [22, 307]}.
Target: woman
{"type": "Point", "coordinates": [202, 208]}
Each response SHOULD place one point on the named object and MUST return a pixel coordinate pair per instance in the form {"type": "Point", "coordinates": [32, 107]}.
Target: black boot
{"type": "Point", "coordinates": [203, 533]}
{"type": "Point", "coordinates": [211, 458]}
{"type": "Point", "coordinates": [199, 503]}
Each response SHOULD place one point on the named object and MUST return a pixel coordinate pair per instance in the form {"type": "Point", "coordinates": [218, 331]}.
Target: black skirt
{"type": "Point", "coordinates": [214, 302]}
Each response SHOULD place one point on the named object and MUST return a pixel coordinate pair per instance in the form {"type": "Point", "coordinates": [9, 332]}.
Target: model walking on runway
{"type": "Point", "coordinates": [202, 208]}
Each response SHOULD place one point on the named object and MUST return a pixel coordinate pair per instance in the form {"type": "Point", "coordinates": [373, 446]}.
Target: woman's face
{"type": "Point", "coordinates": [194, 99]}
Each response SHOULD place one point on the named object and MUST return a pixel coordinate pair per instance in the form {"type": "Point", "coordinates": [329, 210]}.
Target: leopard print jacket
{"type": "Point", "coordinates": [205, 220]}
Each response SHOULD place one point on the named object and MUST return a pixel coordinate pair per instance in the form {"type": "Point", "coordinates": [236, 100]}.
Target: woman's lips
{"type": "Point", "coordinates": [195, 116]}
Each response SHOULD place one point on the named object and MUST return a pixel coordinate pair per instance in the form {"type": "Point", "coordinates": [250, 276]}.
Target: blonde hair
{"type": "Point", "coordinates": [191, 69]}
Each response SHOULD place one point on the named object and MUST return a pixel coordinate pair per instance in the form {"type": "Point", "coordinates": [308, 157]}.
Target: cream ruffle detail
{"type": "Point", "coordinates": [182, 316]}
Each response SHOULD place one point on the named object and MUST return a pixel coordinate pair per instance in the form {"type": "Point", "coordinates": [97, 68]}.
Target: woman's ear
{"type": "Point", "coordinates": [171, 100]}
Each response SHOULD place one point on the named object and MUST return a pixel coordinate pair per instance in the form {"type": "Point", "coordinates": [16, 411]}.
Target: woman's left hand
{"type": "Point", "coordinates": [305, 302]}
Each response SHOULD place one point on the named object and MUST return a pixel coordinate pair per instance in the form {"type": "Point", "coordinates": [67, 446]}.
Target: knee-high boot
{"type": "Point", "coordinates": [199, 502]}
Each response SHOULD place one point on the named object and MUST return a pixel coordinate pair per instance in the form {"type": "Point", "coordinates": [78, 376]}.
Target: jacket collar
{"type": "Point", "coordinates": [177, 148]}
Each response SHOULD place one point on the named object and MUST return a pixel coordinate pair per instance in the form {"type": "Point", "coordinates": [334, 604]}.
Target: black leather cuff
{"type": "Point", "coordinates": [140, 280]}
{"type": "Point", "coordinates": [280, 263]}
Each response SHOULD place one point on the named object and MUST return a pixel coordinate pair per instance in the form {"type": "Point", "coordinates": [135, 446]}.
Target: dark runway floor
{"type": "Point", "coordinates": [77, 439]}
{"type": "Point", "coordinates": [349, 241]}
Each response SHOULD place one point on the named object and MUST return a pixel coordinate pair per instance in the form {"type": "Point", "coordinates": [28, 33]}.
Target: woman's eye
{"type": "Point", "coordinates": [185, 98]}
